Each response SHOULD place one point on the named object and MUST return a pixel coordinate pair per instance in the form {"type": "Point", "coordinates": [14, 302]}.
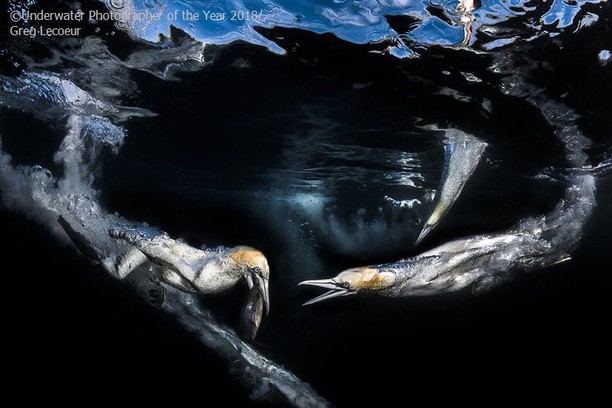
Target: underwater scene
{"type": "Point", "coordinates": [306, 203]}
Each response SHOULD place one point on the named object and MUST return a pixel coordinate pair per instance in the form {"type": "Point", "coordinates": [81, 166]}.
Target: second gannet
{"type": "Point", "coordinates": [480, 261]}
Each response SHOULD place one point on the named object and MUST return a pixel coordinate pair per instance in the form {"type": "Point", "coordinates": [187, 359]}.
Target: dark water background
{"type": "Point", "coordinates": [199, 168]}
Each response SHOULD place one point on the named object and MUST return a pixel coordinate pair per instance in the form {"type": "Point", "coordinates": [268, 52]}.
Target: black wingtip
{"type": "Point", "coordinates": [79, 240]}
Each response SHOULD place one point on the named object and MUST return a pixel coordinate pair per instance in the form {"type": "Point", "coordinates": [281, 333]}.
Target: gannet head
{"type": "Point", "coordinates": [365, 279]}
{"type": "Point", "coordinates": [253, 266]}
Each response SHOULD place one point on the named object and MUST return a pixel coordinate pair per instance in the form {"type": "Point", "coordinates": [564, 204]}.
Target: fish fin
{"type": "Point", "coordinates": [426, 229]}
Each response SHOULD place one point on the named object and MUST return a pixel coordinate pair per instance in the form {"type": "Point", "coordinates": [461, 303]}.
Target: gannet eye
{"type": "Point", "coordinates": [345, 285]}
{"type": "Point", "coordinates": [257, 270]}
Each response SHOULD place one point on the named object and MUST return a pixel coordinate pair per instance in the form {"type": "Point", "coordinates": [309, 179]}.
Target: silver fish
{"type": "Point", "coordinates": [252, 313]}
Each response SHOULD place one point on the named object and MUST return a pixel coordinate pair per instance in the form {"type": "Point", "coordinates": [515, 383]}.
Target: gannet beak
{"type": "Point", "coordinates": [334, 292]}
{"type": "Point", "coordinates": [262, 285]}
{"type": "Point", "coordinates": [254, 268]}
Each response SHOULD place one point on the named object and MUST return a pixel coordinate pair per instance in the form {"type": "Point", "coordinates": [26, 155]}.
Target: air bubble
{"type": "Point", "coordinates": [376, 11]}
{"type": "Point", "coordinates": [471, 77]}
{"type": "Point", "coordinates": [376, 37]}
{"type": "Point", "coordinates": [604, 57]}
{"type": "Point", "coordinates": [271, 7]}
{"type": "Point", "coordinates": [117, 4]}
{"type": "Point", "coordinates": [38, 171]}
{"type": "Point", "coordinates": [122, 25]}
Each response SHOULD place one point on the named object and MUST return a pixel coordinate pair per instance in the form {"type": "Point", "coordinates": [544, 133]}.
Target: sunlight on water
{"type": "Point", "coordinates": [460, 164]}
{"type": "Point", "coordinates": [424, 22]}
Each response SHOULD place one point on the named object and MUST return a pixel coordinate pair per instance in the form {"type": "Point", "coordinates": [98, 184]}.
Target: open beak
{"type": "Point", "coordinates": [334, 290]}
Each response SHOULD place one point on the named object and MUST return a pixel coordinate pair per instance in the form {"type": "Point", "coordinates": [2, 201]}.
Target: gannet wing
{"type": "Point", "coordinates": [159, 248]}
{"type": "Point", "coordinates": [124, 263]}
{"type": "Point", "coordinates": [119, 259]}
{"type": "Point", "coordinates": [462, 152]}
{"type": "Point", "coordinates": [477, 244]}
{"type": "Point", "coordinates": [79, 240]}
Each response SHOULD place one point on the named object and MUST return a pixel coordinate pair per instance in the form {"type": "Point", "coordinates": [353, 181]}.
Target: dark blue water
{"type": "Point", "coordinates": [292, 152]}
